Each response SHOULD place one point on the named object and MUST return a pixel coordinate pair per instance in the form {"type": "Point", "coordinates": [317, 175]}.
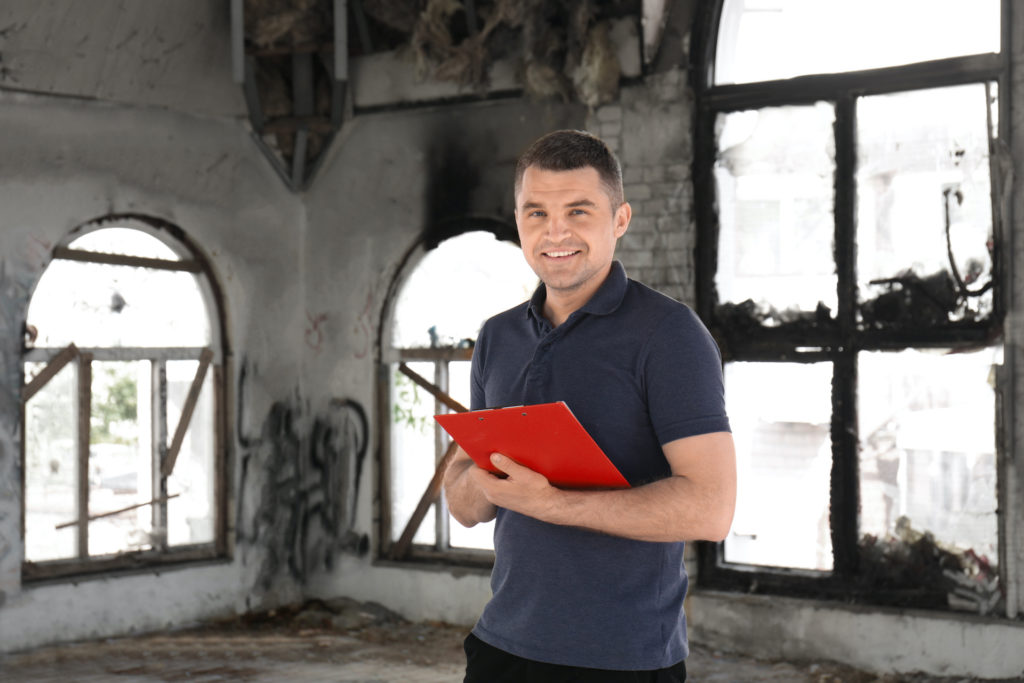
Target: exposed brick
{"type": "Point", "coordinates": [638, 191]}
{"type": "Point", "coordinates": [611, 129]}
{"type": "Point", "coordinates": [654, 174]}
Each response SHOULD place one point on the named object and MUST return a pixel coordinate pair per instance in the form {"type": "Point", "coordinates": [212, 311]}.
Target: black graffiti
{"type": "Point", "coordinates": [308, 485]}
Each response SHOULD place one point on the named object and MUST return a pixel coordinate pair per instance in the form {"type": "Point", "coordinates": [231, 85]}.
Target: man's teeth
{"type": "Point", "coordinates": [559, 254]}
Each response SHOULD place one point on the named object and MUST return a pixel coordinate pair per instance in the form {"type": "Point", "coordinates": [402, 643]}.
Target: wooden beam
{"type": "Point", "coordinates": [401, 548]}
{"type": "Point", "coordinates": [91, 518]}
{"type": "Point", "coordinates": [68, 254]}
{"type": "Point", "coordinates": [432, 388]}
{"type": "Point", "coordinates": [167, 467]}
{"type": "Point", "coordinates": [56, 364]}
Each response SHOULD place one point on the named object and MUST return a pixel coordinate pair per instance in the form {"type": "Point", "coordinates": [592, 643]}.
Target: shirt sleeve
{"type": "Point", "coordinates": [683, 379]}
{"type": "Point", "coordinates": [477, 396]}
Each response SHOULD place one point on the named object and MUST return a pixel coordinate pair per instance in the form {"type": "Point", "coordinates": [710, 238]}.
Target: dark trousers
{"type": "Point", "coordinates": [487, 664]}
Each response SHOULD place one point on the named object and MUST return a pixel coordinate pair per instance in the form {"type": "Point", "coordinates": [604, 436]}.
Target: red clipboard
{"type": "Point", "coordinates": [545, 437]}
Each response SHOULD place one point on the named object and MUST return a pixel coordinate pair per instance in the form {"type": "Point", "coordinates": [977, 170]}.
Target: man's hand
{"type": "Point", "coordinates": [522, 490]}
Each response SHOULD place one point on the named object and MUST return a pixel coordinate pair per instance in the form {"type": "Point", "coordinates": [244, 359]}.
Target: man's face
{"type": "Point", "coordinates": [568, 228]}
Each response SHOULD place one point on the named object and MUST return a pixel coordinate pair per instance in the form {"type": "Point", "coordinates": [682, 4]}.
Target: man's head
{"type": "Point", "coordinates": [568, 150]}
{"type": "Point", "coordinates": [569, 215]}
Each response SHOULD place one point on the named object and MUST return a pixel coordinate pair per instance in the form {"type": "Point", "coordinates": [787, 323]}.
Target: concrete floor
{"type": "Point", "coordinates": [340, 642]}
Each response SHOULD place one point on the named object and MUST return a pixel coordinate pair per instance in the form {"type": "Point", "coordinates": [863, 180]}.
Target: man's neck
{"type": "Point", "coordinates": [560, 304]}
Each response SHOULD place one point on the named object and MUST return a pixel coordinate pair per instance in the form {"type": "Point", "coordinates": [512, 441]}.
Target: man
{"type": "Point", "coordinates": [589, 585]}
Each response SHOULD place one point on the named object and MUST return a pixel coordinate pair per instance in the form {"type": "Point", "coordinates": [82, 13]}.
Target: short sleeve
{"type": "Point", "coordinates": [682, 371]}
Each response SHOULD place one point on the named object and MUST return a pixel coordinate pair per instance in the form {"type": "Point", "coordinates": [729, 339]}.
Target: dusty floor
{"type": "Point", "coordinates": [338, 642]}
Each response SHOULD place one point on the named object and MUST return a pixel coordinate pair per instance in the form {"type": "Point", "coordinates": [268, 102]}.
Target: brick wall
{"type": "Point", "coordinates": [649, 127]}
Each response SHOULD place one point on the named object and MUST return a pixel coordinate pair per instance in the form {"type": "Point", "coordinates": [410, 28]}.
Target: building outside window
{"type": "Point", "coordinates": [849, 180]}
{"type": "Point", "coordinates": [123, 447]}
{"type": "Point", "coordinates": [435, 317]}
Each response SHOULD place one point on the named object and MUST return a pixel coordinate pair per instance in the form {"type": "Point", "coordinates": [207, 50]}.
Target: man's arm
{"type": "Point", "coordinates": [466, 500]}
{"type": "Point", "coordinates": [695, 503]}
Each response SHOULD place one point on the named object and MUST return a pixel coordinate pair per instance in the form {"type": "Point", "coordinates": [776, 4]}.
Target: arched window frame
{"type": "Point", "coordinates": [212, 362]}
{"type": "Point", "coordinates": [398, 544]}
{"type": "Point", "coordinates": [840, 344]}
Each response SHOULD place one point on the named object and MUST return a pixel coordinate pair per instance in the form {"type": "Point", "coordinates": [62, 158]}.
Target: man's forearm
{"type": "Point", "coordinates": [672, 509]}
{"type": "Point", "coordinates": [466, 501]}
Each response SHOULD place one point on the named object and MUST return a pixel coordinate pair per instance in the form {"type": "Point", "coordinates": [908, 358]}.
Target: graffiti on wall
{"type": "Point", "coordinates": [299, 486]}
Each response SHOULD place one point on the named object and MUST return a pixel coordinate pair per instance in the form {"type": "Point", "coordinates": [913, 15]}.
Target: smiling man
{"type": "Point", "coordinates": [589, 585]}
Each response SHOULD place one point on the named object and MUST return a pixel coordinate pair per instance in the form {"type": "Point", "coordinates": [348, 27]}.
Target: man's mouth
{"type": "Point", "coordinates": [562, 253]}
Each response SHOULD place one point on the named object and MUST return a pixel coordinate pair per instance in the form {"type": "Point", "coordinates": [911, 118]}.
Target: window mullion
{"type": "Point", "coordinates": [84, 442]}
{"type": "Point", "coordinates": [844, 490]}
{"type": "Point", "coordinates": [159, 508]}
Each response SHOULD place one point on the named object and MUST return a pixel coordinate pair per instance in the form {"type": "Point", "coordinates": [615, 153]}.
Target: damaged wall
{"type": "Point", "coordinates": [66, 163]}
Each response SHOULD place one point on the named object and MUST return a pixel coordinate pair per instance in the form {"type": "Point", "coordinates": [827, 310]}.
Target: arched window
{"type": "Point", "coordinates": [434, 321]}
{"type": "Point", "coordinates": [848, 180]}
{"type": "Point", "coordinates": [123, 450]}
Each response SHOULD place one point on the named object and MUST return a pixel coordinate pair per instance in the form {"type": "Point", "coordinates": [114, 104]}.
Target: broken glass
{"type": "Point", "coordinates": [928, 470]}
{"type": "Point", "coordinates": [760, 40]}
{"type": "Point", "coordinates": [774, 176]}
{"type": "Point", "coordinates": [780, 415]}
{"type": "Point", "coordinates": [924, 208]}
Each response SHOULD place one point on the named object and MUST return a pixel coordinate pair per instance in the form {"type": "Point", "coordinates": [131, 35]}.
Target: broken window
{"type": "Point", "coordinates": [436, 316]}
{"type": "Point", "coordinates": [850, 223]}
{"type": "Point", "coordinates": [121, 452]}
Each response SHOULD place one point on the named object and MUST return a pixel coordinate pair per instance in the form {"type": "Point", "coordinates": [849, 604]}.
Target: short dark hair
{"type": "Point", "coordinates": [568, 150]}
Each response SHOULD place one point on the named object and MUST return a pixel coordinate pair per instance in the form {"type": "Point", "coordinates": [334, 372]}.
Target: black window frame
{"type": "Point", "coordinates": [839, 340]}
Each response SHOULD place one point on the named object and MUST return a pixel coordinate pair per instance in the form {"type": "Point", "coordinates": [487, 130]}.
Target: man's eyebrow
{"type": "Point", "coordinates": [581, 202]}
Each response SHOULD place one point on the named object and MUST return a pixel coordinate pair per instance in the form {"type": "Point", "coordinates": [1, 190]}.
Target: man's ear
{"type": "Point", "coordinates": [622, 217]}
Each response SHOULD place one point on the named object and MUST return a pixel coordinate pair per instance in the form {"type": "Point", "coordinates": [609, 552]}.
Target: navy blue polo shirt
{"type": "Point", "coordinates": [639, 370]}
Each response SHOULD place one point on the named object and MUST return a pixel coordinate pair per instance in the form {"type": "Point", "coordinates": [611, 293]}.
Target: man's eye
{"type": "Point", "coordinates": [537, 214]}
{"type": "Point", "coordinates": [577, 212]}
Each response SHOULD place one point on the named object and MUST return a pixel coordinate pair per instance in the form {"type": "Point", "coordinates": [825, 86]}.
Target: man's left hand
{"type": "Point", "coordinates": [522, 490]}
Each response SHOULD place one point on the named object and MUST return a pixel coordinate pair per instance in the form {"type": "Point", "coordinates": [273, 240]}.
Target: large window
{"type": "Point", "coordinates": [848, 180]}
{"type": "Point", "coordinates": [435, 319]}
{"type": "Point", "coordinates": [122, 396]}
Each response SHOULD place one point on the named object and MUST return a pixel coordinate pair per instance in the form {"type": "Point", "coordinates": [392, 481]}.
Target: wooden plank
{"type": "Point", "coordinates": [56, 364]}
{"type": "Point", "coordinates": [400, 549]}
{"type": "Point", "coordinates": [167, 467]}
{"type": "Point", "coordinates": [432, 388]}
{"type": "Point", "coordinates": [91, 518]}
{"type": "Point", "coordinates": [45, 354]}
{"type": "Point", "coordinates": [69, 254]}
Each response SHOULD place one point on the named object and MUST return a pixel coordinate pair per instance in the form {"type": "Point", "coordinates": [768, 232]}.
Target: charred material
{"type": "Point", "coordinates": [911, 568]}
{"type": "Point", "coordinates": [912, 300]}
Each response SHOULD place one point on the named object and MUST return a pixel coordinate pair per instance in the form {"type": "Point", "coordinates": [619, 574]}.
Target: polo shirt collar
{"type": "Point", "coordinates": [605, 300]}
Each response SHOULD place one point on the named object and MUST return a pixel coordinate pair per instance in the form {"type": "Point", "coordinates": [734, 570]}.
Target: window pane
{"type": "Point", "coordinates": [120, 461]}
{"type": "Point", "coordinates": [481, 535]}
{"type": "Point", "coordinates": [124, 241]}
{"type": "Point", "coordinates": [780, 416]}
{"type": "Point", "coordinates": [772, 39]}
{"type": "Point", "coordinates": [927, 433]}
{"type": "Point", "coordinates": [774, 176]}
{"type": "Point", "coordinates": [457, 286]}
{"type": "Point", "coordinates": [94, 304]}
{"type": "Point", "coordinates": [413, 451]}
{"type": "Point", "coordinates": [924, 207]}
{"type": "Point", "coordinates": [51, 466]}
{"type": "Point", "coordinates": [190, 516]}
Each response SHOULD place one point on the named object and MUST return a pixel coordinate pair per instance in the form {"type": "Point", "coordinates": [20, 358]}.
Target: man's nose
{"type": "Point", "coordinates": [557, 228]}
